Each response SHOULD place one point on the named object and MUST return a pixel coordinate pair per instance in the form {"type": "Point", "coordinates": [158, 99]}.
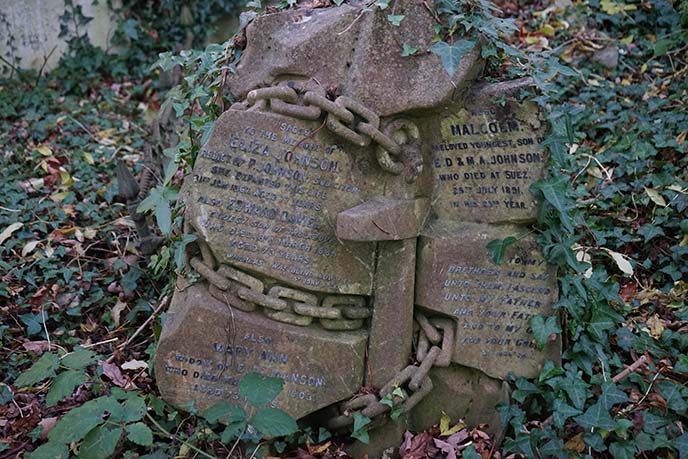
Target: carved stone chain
{"type": "Point", "coordinates": [435, 348]}
{"type": "Point", "coordinates": [396, 145]}
{"type": "Point", "coordinates": [283, 304]}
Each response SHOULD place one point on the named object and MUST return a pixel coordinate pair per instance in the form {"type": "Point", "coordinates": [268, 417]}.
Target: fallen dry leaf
{"type": "Point", "coordinates": [113, 372]}
{"type": "Point", "coordinates": [134, 365]}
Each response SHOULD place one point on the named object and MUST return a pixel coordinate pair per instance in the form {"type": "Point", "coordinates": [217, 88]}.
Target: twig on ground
{"type": "Point", "coordinates": [631, 369]}
{"type": "Point", "coordinates": [162, 304]}
{"type": "Point", "coordinates": [635, 366]}
{"type": "Point", "coordinates": [175, 437]}
{"type": "Point", "coordinates": [80, 124]}
{"type": "Point", "coordinates": [87, 346]}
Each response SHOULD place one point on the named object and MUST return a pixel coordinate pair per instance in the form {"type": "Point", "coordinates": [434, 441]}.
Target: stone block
{"type": "Point", "coordinates": [34, 26]}
{"type": "Point", "coordinates": [207, 347]}
{"type": "Point", "coordinates": [492, 304]}
{"type": "Point", "coordinates": [462, 393]}
{"type": "Point", "coordinates": [265, 194]}
{"type": "Point", "coordinates": [484, 158]}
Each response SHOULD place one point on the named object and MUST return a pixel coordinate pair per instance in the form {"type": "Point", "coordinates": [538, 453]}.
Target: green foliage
{"type": "Point", "coordinates": [615, 194]}
{"type": "Point", "coordinates": [44, 368]}
{"type": "Point", "coordinates": [451, 55]}
{"type": "Point", "coordinates": [497, 248]}
{"type": "Point", "coordinates": [360, 429]}
{"type": "Point", "coordinates": [544, 329]}
{"type": "Point", "coordinates": [258, 390]}
{"type": "Point", "coordinates": [273, 422]}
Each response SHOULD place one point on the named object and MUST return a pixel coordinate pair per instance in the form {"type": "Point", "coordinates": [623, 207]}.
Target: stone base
{"type": "Point", "coordinates": [463, 394]}
{"type": "Point", "coordinates": [206, 347]}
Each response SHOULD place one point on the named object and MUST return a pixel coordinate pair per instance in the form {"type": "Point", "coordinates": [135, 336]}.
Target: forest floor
{"type": "Point", "coordinates": [81, 307]}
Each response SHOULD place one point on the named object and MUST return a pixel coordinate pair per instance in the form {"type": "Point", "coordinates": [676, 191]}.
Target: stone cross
{"type": "Point", "coordinates": [342, 210]}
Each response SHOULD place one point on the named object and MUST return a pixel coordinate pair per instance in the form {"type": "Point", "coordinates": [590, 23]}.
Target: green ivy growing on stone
{"type": "Point", "coordinates": [581, 409]}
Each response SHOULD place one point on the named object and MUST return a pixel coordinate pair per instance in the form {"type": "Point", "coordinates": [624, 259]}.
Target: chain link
{"type": "Point", "coordinates": [414, 381]}
{"type": "Point", "coordinates": [283, 304]}
{"type": "Point", "coordinates": [346, 118]}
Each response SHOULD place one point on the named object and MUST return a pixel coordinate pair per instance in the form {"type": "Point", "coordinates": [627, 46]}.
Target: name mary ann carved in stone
{"type": "Point", "coordinates": [328, 226]}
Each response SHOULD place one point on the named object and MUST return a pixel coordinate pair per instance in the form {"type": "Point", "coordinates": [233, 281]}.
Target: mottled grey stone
{"type": "Point", "coordinates": [355, 51]}
{"type": "Point", "coordinates": [206, 347]}
{"type": "Point", "coordinates": [485, 156]}
{"type": "Point", "coordinates": [266, 205]}
{"type": "Point", "coordinates": [462, 394]}
{"type": "Point", "coordinates": [491, 304]}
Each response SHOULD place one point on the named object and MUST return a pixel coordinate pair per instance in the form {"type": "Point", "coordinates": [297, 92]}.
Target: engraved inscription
{"type": "Point", "coordinates": [265, 193]}
{"type": "Point", "coordinates": [485, 160]}
{"type": "Point", "coordinates": [220, 375]}
{"type": "Point", "coordinates": [207, 349]}
{"type": "Point", "coordinates": [491, 304]}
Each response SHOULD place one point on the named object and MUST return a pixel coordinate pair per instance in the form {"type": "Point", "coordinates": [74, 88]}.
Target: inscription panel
{"type": "Point", "coordinates": [206, 350]}
{"type": "Point", "coordinates": [265, 193]}
{"type": "Point", "coordinates": [484, 159]}
{"type": "Point", "coordinates": [492, 304]}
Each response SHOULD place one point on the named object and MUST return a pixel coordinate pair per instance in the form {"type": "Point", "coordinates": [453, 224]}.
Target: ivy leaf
{"type": "Point", "coordinates": [596, 417]}
{"type": "Point", "coordinates": [451, 55]}
{"type": "Point", "coordinates": [549, 371]}
{"type": "Point", "coordinates": [555, 448]}
{"type": "Point", "coordinates": [360, 432]}
{"type": "Point", "coordinates": [33, 322]}
{"type": "Point", "coordinates": [563, 411]}
{"type": "Point", "coordinates": [621, 261]}
{"type": "Point", "coordinates": [554, 192]}
{"type": "Point", "coordinates": [395, 19]}
{"type": "Point", "coordinates": [409, 50]}
{"type": "Point", "coordinates": [130, 279]}
{"type": "Point", "coordinates": [652, 422]}
{"type": "Point", "coordinates": [79, 359]}
{"type": "Point", "coordinates": [44, 368]}
{"type": "Point", "coordinates": [649, 231]}
{"type": "Point", "coordinates": [672, 394]}
{"type": "Point", "coordinates": [64, 385]}
{"type": "Point", "coordinates": [470, 453]}
{"type": "Point", "coordinates": [163, 217]}
{"type": "Point", "coordinates": [623, 450]}
{"type": "Point", "coordinates": [224, 412]}
{"type": "Point", "coordinates": [260, 389]}
{"type": "Point", "coordinates": [544, 329]}
{"type": "Point", "coordinates": [130, 28]}
{"type": "Point", "coordinates": [50, 450]}
{"type": "Point", "coordinates": [576, 389]}
{"type": "Point", "coordinates": [611, 395]}
{"type": "Point", "coordinates": [100, 443]}
{"type": "Point", "coordinates": [682, 445]}
{"type": "Point", "coordinates": [6, 394]}
{"type": "Point", "coordinates": [140, 434]}
{"type": "Point", "coordinates": [497, 248]}
{"type": "Point", "coordinates": [81, 420]}
{"type": "Point", "coordinates": [521, 445]}
{"type": "Point", "coordinates": [159, 201]}
{"type": "Point", "coordinates": [524, 388]}
{"type": "Point", "coordinates": [273, 422]}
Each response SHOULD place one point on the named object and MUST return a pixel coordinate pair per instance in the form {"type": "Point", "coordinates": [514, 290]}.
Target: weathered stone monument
{"type": "Point", "coordinates": [30, 29]}
{"type": "Point", "coordinates": [342, 210]}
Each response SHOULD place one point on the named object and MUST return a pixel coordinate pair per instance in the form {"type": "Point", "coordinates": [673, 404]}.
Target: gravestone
{"type": "Point", "coordinates": [30, 30]}
{"type": "Point", "coordinates": [342, 211]}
